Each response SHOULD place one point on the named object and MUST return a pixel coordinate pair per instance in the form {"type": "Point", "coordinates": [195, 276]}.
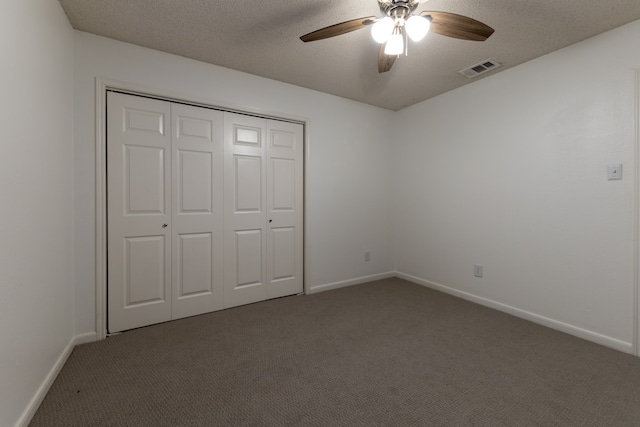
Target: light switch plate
{"type": "Point", "coordinates": [614, 172]}
{"type": "Point", "coordinates": [478, 270]}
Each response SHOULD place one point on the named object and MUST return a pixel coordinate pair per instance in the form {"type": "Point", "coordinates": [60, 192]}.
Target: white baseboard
{"type": "Point", "coordinates": [85, 338]}
{"type": "Point", "coordinates": [37, 399]}
{"type": "Point", "coordinates": [585, 334]}
{"type": "Point", "coordinates": [350, 282]}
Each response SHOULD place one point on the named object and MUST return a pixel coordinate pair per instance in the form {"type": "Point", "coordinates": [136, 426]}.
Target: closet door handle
{"type": "Point", "coordinates": [270, 221]}
{"type": "Point", "coordinates": [164, 225]}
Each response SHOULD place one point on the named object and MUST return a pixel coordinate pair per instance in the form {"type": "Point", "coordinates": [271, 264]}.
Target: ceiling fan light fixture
{"type": "Point", "coordinates": [417, 27]}
{"type": "Point", "coordinates": [395, 44]}
{"type": "Point", "coordinates": [397, 23]}
{"type": "Point", "coordinates": [382, 29]}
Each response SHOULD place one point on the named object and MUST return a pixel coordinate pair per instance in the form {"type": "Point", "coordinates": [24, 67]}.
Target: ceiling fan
{"type": "Point", "coordinates": [399, 22]}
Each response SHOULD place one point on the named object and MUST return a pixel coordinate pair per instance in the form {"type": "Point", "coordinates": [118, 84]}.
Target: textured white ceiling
{"type": "Point", "coordinates": [261, 37]}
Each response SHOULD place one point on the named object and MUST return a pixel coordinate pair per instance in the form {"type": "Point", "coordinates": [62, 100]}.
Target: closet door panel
{"type": "Point", "coordinates": [194, 175]}
{"type": "Point", "coordinates": [285, 209]}
{"type": "Point", "coordinates": [194, 267]}
{"type": "Point", "coordinates": [248, 258]}
{"type": "Point", "coordinates": [283, 247]}
{"type": "Point", "coordinates": [138, 200]}
{"type": "Point", "coordinates": [248, 179]}
{"type": "Point", "coordinates": [197, 214]}
{"type": "Point", "coordinates": [245, 210]}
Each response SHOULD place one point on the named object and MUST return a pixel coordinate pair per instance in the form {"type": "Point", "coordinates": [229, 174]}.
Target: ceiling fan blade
{"type": "Point", "coordinates": [458, 26]}
{"type": "Point", "coordinates": [385, 62]}
{"type": "Point", "coordinates": [338, 29]}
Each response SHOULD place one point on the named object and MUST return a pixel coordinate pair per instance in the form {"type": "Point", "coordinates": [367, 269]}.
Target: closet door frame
{"type": "Point", "coordinates": [102, 86]}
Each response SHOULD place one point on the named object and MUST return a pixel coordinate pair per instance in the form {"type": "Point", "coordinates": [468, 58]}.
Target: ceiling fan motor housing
{"type": "Point", "coordinates": [398, 8]}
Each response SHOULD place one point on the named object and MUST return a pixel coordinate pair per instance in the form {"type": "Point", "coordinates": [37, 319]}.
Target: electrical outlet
{"type": "Point", "coordinates": [367, 255]}
{"type": "Point", "coordinates": [478, 270]}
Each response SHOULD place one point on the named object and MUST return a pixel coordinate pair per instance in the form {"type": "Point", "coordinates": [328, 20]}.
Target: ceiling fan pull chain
{"type": "Point", "coordinates": [406, 42]}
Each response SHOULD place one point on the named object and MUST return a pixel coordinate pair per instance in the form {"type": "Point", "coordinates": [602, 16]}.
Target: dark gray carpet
{"type": "Point", "coordinates": [384, 353]}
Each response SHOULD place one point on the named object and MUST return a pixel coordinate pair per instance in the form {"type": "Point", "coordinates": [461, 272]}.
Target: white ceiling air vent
{"type": "Point", "coordinates": [480, 68]}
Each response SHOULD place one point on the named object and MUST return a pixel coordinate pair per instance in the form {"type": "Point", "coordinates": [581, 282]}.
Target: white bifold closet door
{"type": "Point", "coordinates": [196, 210]}
{"type": "Point", "coordinates": [139, 211]}
{"type": "Point", "coordinates": [263, 204]}
{"type": "Point", "coordinates": [204, 210]}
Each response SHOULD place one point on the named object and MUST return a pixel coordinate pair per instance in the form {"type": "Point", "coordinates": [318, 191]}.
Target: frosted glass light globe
{"type": "Point", "coordinates": [395, 45]}
{"type": "Point", "coordinates": [382, 29]}
{"type": "Point", "coordinates": [417, 27]}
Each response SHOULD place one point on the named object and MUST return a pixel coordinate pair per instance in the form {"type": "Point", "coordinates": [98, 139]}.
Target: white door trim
{"type": "Point", "coordinates": [101, 210]}
{"type": "Point", "coordinates": [101, 87]}
{"type": "Point", "coordinates": [636, 218]}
